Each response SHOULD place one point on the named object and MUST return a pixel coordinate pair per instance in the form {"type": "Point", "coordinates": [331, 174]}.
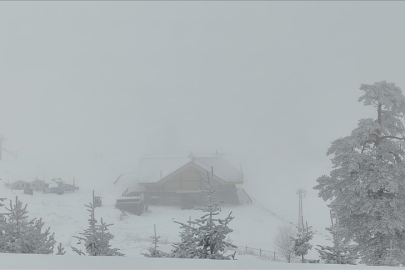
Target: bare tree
{"type": "Point", "coordinates": [284, 243]}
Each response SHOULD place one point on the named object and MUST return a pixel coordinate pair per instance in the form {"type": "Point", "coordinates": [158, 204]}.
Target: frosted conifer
{"type": "Point", "coordinates": [61, 250]}
{"type": "Point", "coordinates": [153, 251]}
{"type": "Point", "coordinates": [20, 235]}
{"type": "Point", "coordinates": [204, 238]}
{"type": "Point", "coordinates": [366, 187]}
{"type": "Point", "coordinates": [301, 242]}
{"type": "Point", "coordinates": [340, 253]}
{"type": "Point", "coordinates": [96, 238]}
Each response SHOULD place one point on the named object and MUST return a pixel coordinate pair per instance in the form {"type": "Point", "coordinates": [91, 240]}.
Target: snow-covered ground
{"type": "Point", "coordinates": [253, 226]}
{"type": "Point", "coordinates": [18, 261]}
{"type": "Point", "coordinates": [67, 216]}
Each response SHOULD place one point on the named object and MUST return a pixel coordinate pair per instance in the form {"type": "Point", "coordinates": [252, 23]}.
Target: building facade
{"type": "Point", "coordinates": [181, 181]}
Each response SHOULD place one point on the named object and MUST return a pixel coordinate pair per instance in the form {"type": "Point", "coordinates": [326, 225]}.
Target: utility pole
{"type": "Point", "coordinates": [301, 194]}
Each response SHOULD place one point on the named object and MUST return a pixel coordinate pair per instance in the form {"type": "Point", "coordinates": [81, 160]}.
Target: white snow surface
{"type": "Point", "coordinates": [67, 217]}
{"type": "Point", "coordinates": [29, 261]}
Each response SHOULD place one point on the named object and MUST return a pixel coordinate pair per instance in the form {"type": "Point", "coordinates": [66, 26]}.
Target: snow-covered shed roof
{"type": "Point", "coordinates": [19, 181]}
{"type": "Point", "coordinates": [153, 169]}
{"type": "Point", "coordinates": [38, 180]}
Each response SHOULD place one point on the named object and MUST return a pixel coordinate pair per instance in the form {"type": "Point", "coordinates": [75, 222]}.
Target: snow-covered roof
{"type": "Point", "coordinates": [19, 181]}
{"type": "Point", "coordinates": [136, 188]}
{"type": "Point", "coordinates": [38, 180]}
{"type": "Point", "coordinates": [153, 169]}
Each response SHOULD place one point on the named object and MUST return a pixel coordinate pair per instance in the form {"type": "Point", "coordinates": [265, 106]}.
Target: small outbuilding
{"type": "Point", "coordinates": [131, 204]}
{"type": "Point", "coordinates": [18, 185]}
{"type": "Point", "coordinates": [37, 184]}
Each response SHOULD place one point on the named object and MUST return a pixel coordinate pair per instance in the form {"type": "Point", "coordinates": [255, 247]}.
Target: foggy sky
{"type": "Point", "coordinates": [274, 82]}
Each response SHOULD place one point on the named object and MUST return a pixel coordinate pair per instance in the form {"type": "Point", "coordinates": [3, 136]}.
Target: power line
{"type": "Point", "coordinates": [286, 221]}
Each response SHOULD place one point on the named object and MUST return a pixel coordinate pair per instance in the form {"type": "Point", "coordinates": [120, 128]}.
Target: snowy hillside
{"type": "Point", "coordinates": [67, 216]}
{"type": "Point", "coordinates": [253, 226]}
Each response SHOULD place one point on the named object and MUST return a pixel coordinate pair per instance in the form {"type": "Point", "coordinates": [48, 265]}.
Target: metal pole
{"type": "Point", "coordinates": [212, 172]}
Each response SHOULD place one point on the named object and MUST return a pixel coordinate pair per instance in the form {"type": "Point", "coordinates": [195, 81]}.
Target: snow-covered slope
{"type": "Point", "coordinates": [66, 215]}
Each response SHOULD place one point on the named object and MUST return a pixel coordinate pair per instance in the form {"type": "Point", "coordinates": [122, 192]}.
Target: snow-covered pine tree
{"type": "Point", "coordinates": [301, 242]}
{"type": "Point", "coordinates": [153, 251]}
{"type": "Point", "coordinates": [61, 250]}
{"type": "Point", "coordinates": [204, 238]}
{"type": "Point", "coordinates": [20, 235]}
{"type": "Point", "coordinates": [97, 238]}
{"type": "Point", "coordinates": [366, 187]}
{"type": "Point", "coordinates": [341, 252]}
{"type": "Point", "coordinates": [187, 247]}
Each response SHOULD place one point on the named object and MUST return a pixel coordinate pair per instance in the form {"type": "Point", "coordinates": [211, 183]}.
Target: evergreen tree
{"type": "Point", "coordinates": [366, 187]}
{"type": "Point", "coordinates": [187, 247]}
{"type": "Point", "coordinates": [20, 235]}
{"type": "Point", "coordinates": [301, 242]}
{"type": "Point", "coordinates": [204, 238]}
{"type": "Point", "coordinates": [153, 251]}
{"type": "Point", "coordinates": [61, 250]}
{"type": "Point", "coordinates": [340, 252]}
{"type": "Point", "coordinates": [96, 238]}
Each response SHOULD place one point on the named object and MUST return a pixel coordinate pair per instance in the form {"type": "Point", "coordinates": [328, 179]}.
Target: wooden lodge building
{"type": "Point", "coordinates": [177, 181]}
